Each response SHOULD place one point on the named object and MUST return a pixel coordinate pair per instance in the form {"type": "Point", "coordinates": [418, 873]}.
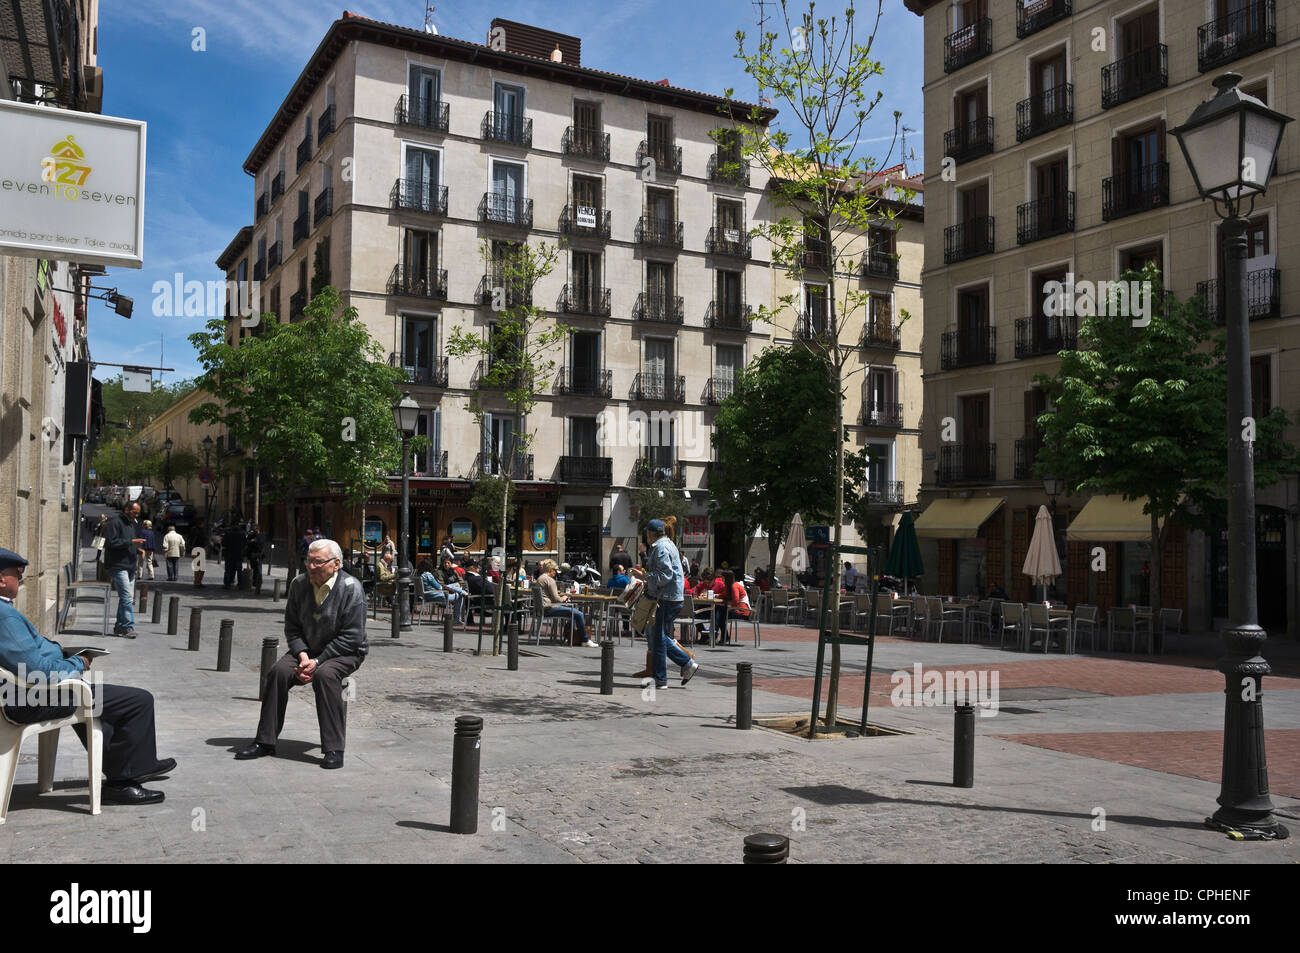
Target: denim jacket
{"type": "Point", "coordinates": [664, 579]}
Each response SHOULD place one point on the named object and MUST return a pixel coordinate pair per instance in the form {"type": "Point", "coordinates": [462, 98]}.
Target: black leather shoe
{"type": "Point", "coordinates": [255, 750]}
{"type": "Point", "coordinates": [130, 794]}
{"type": "Point", "coordinates": [333, 759]}
{"type": "Point", "coordinates": [165, 767]}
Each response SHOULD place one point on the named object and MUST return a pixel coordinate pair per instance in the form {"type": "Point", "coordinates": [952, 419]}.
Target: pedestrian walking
{"type": "Point", "coordinates": [665, 582]}
{"type": "Point", "coordinates": [122, 557]}
{"type": "Point", "coordinates": [148, 559]}
{"type": "Point", "coordinates": [255, 550]}
{"type": "Point", "coordinates": [233, 544]}
{"type": "Point", "coordinates": [173, 549]}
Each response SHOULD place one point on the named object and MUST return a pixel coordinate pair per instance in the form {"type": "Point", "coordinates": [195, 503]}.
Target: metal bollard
{"type": "Point", "coordinates": [464, 774]}
{"type": "Point", "coordinates": [142, 597]}
{"type": "Point", "coordinates": [448, 633]}
{"type": "Point", "coordinates": [173, 614]}
{"type": "Point", "coordinates": [268, 659]}
{"type": "Point", "coordinates": [157, 612]}
{"type": "Point", "coordinates": [744, 695]}
{"type": "Point", "coordinates": [276, 596]}
{"type": "Point", "coordinates": [512, 646]}
{"type": "Point", "coordinates": [767, 849]}
{"type": "Point", "coordinates": [607, 667]}
{"type": "Point", "coordinates": [224, 642]}
{"type": "Point", "coordinates": [196, 627]}
{"type": "Point", "coordinates": [963, 747]}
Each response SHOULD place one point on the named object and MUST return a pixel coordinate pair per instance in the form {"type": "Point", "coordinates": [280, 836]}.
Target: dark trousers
{"type": "Point", "coordinates": [127, 725]}
{"type": "Point", "coordinates": [232, 571]}
{"type": "Point", "coordinates": [331, 712]}
{"type": "Point", "coordinates": [173, 568]}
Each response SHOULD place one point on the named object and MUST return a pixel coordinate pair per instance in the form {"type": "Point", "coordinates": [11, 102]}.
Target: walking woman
{"type": "Point", "coordinates": [665, 581]}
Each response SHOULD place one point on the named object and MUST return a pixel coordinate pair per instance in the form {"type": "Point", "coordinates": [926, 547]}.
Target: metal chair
{"type": "Point", "coordinates": [1085, 616]}
{"type": "Point", "coordinates": [861, 612]}
{"type": "Point", "coordinates": [940, 617]}
{"type": "Point", "coordinates": [72, 588]}
{"type": "Point", "coordinates": [1171, 623]}
{"type": "Point", "coordinates": [780, 603]}
{"type": "Point", "coordinates": [1125, 620]}
{"type": "Point", "coordinates": [734, 622]}
{"type": "Point", "coordinates": [1013, 623]}
{"type": "Point", "coordinates": [982, 618]}
{"type": "Point", "coordinates": [686, 620]}
{"type": "Point", "coordinates": [539, 619]}
{"type": "Point", "coordinates": [812, 605]}
{"type": "Point", "coordinates": [1040, 620]}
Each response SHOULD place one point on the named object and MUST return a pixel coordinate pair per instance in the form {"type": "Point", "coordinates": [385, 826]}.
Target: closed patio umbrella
{"type": "Point", "coordinates": [796, 543]}
{"type": "Point", "coordinates": [1041, 562]}
{"type": "Point", "coordinates": [904, 559]}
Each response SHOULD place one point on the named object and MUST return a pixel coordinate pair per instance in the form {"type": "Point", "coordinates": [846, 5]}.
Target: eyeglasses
{"type": "Point", "coordinates": [320, 562]}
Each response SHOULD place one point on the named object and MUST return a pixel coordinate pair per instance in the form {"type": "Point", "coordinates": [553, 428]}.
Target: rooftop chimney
{"type": "Point", "coordinates": [534, 41]}
{"type": "Point", "coordinates": [556, 55]}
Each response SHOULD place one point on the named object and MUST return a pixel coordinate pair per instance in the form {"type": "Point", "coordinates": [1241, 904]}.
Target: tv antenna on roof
{"type": "Point", "coordinates": [907, 155]}
{"type": "Point", "coordinates": [428, 20]}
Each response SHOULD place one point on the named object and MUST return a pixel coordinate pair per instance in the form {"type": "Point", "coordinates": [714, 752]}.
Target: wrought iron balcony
{"type": "Point", "coordinates": [263, 205]}
{"type": "Point", "coordinates": [1038, 15]}
{"type": "Point", "coordinates": [259, 270]}
{"type": "Point", "coordinates": [969, 348]}
{"type": "Point", "coordinates": [416, 195]}
{"type": "Point", "coordinates": [654, 472]}
{"type": "Point", "coordinates": [297, 304]}
{"type": "Point", "coordinates": [585, 143]}
{"type": "Point", "coordinates": [651, 230]}
{"type": "Point", "coordinates": [584, 221]}
{"type": "Point", "coordinates": [1027, 449]}
{"type": "Point", "coordinates": [277, 186]}
{"type": "Point", "coordinates": [878, 414]}
{"type": "Point", "coordinates": [1050, 109]}
{"type": "Point", "coordinates": [724, 316]}
{"type": "Point", "coordinates": [273, 258]}
{"type": "Point", "coordinates": [968, 463]}
{"type": "Point", "coordinates": [513, 294]}
{"type": "Point", "coordinates": [418, 282]}
{"type": "Point", "coordinates": [668, 157]}
{"type": "Point", "coordinates": [1237, 34]}
{"type": "Point", "coordinates": [880, 332]}
{"type": "Point", "coordinates": [728, 169]}
{"type": "Point", "coordinates": [1263, 296]}
{"type": "Point", "coordinates": [880, 264]}
{"type": "Point", "coordinates": [814, 324]}
{"type": "Point", "coordinates": [1046, 334]}
{"type": "Point", "coordinates": [970, 43]}
{"type": "Point", "coordinates": [323, 206]}
{"type": "Point", "coordinates": [430, 463]}
{"type": "Point", "coordinates": [301, 226]}
{"type": "Point", "coordinates": [658, 307]}
{"type": "Point", "coordinates": [1135, 75]}
{"type": "Point", "coordinates": [1128, 193]}
{"type": "Point", "coordinates": [507, 127]}
{"type": "Point", "coordinates": [1043, 218]}
{"type": "Point", "coordinates": [886, 493]}
{"type": "Point", "coordinates": [431, 114]}
{"type": "Point", "coordinates": [970, 140]}
{"type": "Point", "coordinates": [487, 380]}
{"type": "Point", "coordinates": [652, 386]}
{"type": "Point", "coordinates": [581, 299]}
{"type": "Point", "coordinates": [719, 389]}
{"type": "Point", "coordinates": [816, 257]}
{"type": "Point", "coordinates": [728, 241]}
{"type": "Point", "coordinates": [594, 470]}
{"type": "Point", "coordinates": [304, 153]}
{"type": "Point", "coordinates": [325, 127]}
{"type": "Point", "coordinates": [585, 383]}
{"type": "Point", "coordinates": [504, 209]}
{"type": "Point", "coordinates": [431, 372]}
{"type": "Point", "coordinates": [515, 466]}
{"type": "Point", "coordinates": [968, 239]}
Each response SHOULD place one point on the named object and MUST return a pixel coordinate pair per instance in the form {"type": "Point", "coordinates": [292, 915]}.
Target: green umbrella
{"type": "Point", "coordinates": [905, 555]}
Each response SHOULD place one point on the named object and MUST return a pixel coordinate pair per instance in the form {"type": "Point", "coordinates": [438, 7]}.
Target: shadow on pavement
{"type": "Point", "coordinates": [425, 826]}
{"type": "Point", "coordinates": [284, 750]}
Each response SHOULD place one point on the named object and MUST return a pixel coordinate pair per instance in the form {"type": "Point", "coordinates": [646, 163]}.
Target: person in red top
{"type": "Point", "coordinates": [735, 602]}
{"type": "Point", "coordinates": [761, 580]}
{"type": "Point", "coordinates": [705, 584]}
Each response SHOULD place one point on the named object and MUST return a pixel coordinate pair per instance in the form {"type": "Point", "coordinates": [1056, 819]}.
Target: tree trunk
{"type": "Point", "coordinates": [1157, 555]}
{"type": "Point", "coordinates": [501, 581]}
{"type": "Point", "coordinates": [291, 550]}
{"type": "Point", "coordinates": [833, 557]}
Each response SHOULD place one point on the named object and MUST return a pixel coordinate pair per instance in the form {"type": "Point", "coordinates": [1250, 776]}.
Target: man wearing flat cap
{"type": "Point", "coordinates": [126, 717]}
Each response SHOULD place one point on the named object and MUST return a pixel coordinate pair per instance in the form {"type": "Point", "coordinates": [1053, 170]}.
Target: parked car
{"type": "Point", "coordinates": [184, 517]}
{"type": "Point", "coordinates": [164, 499]}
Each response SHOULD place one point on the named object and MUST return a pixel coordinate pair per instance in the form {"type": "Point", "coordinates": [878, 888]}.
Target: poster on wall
{"type": "Point", "coordinates": [539, 534]}
{"type": "Point", "coordinates": [462, 532]}
{"type": "Point", "coordinates": [426, 535]}
{"type": "Point", "coordinates": [697, 531]}
{"type": "Point", "coordinates": [374, 530]}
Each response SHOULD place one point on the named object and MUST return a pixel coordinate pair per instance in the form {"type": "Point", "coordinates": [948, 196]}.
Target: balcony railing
{"type": "Point", "coordinates": [581, 299]}
{"type": "Point", "coordinates": [968, 239]}
{"type": "Point", "coordinates": [970, 43]}
{"type": "Point", "coordinates": [507, 127]}
{"type": "Point", "coordinates": [816, 257]}
{"type": "Point", "coordinates": [326, 125]}
{"type": "Point", "coordinates": [970, 140]}
{"type": "Point", "coordinates": [277, 186]}
{"type": "Point", "coordinates": [1038, 15]}
{"type": "Point", "coordinates": [297, 303]}
{"type": "Point", "coordinates": [880, 264]}
{"type": "Point", "coordinates": [719, 389]}
{"type": "Point", "coordinates": [652, 386]}
{"type": "Point", "coordinates": [512, 294]}
{"type": "Point", "coordinates": [501, 380]}
{"type": "Point", "coordinates": [431, 114]}
{"type": "Point", "coordinates": [649, 472]}
{"type": "Point", "coordinates": [585, 383]}
{"type": "Point", "coordinates": [1050, 109]}
{"type": "Point", "coordinates": [667, 309]}
{"type": "Point", "coordinates": [886, 493]}
{"type": "Point", "coordinates": [263, 205]}
{"type": "Point", "coordinates": [878, 414]}
{"type": "Point", "coordinates": [1043, 218]}
{"type": "Point", "coordinates": [1046, 334]}
{"type": "Point", "coordinates": [503, 209]}
{"type": "Point", "coordinates": [1139, 190]}
{"type": "Point", "coordinates": [1237, 34]}
{"type": "Point", "coordinates": [430, 463]}
{"type": "Point", "coordinates": [968, 348]}
{"type": "Point", "coordinates": [728, 241]}
{"type": "Point", "coordinates": [1135, 75]}
{"type": "Point", "coordinates": [304, 153]}
{"type": "Point", "coordinates": [881, 332]}
{"type": "Point", "coordinates": [416, 195]}
{"type": "Point", "coordinates": [728, 316]}
{"type": "Point", "coordinates": [585, 143]}
{"type": "Point", "coordinates": [516, 466]}
{"type": "Point", "coordinates": [968, 463]}
{"type": "Point", "coordinates": [301, 226]}
{"type": "Point", "coordinates": [667, 157]}
{"type": "Point", "coordinates": [431, 372]}
{"type": "Point", "coordinates": [1027, 449]}
{"type": "Point", "coordinates": [418, 282]}
{"type": "Point", "coordinates": [273, 258]}
{"type": "Point", "coordinates": [814, 324]}
{"type": "Point", "coordinates": [1263, 296]}
{"type": "Point", "coordinates": [651, 230]}
{"type": "Point", "coordinates": [594, 470]}
{"type": "Point", "coordinates": [259, 269]}
{"type": "Point", "coordinates": [323, 206]}
{"type": "Point", "coordinates": [585, 221]}
{"type": "Point", "coordinates": [728, 169]}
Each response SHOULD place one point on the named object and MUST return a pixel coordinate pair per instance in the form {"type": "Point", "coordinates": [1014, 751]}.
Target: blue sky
{"type": "Point", "coordinates": [206, 109]}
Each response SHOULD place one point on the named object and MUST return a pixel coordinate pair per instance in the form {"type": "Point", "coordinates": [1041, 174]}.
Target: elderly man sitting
{"type": "Point", "coordinates": [325, 625]}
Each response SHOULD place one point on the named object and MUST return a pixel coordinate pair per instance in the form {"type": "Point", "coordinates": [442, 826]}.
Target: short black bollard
{"type": "Point", "coordinates": [157, 612]}
{"type": "Point", "coordinates": [224, 643]}
{"type": "Point", "coordinates": [173, 614]}
{"type": "Point", "coordinates": [512, 645]}
{"type": "Point", "coordinates": [276, 596]}
{"type": "Point", "coordinates": [448, 633]}
{"type": "Point", "coordinates": [143, 598]}
{"type": "Point", "coordinates": [607, 667]}
{"type": "Point", "coordinates": [464, 774]}
{"type": "Point", "coordinates": [196, 627]}
{"type": "Point", "coordinates": [269, 654]}
{"type": "Point", "coordinates": [744, 695]}
{"type": "Point", "coordinates": [767, 849]}
{"type": "Point", "coordinates": [963, 747]}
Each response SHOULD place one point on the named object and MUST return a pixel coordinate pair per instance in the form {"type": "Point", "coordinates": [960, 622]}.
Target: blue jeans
{"type": "Point", "coordinates": [662, 644]}
{"type": "Point", "coordinates": [124, 585]}
{"type": "Point", "coordinates": [574, 615]}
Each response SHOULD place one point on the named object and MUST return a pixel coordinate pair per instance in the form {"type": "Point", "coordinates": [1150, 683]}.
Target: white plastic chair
{"type": "Point", "coordinates": [12, 737]}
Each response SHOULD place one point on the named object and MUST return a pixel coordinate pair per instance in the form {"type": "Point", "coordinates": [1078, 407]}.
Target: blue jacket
{"type": "Point", "coordinates": [431, 588]}
{"type": "Point", "coordinates": [618, 581]}
{"type": "Point", "coordinates": [21, 644]}
{"type": "Point", "coordinates": [664, 578]}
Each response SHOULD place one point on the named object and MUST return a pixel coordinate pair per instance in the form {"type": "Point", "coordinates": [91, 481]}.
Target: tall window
{"type": "Point", "coordinates": [582, 437]}
{"type": "Point", "coordinates": [658, 371]}
{"type": "Point", "coordinates": [420, 258]}
{"type": "Point", "coordinates": [419, 348]}
{"type": "Point", "coordinates": [730, 297]}
{"type": "Point", "coordinates": [659, 136]}
{"type": "Point", "coordinates": [585, 355]}
{"type": "Point", "coordinates": [508, 102]}
{"type": "Point", "coordinates": [1261, 385]}
{"type": "Point", "coordinates": [506, 200]}
{"type": "Point", "coordinates": [586, 281]}
{"type": "Point", "coordinates": [659, 282]}
{"type": "Point", "coordinates": [501, 448]}
{"type": "Point", "coordinates": [429, 461]}
{"type": "Point", "coordinates": [425, 91]}
{"type": "Point", "coordinates": [421, 178]}
{"type": "Point", "coordinates": [816, 316]}
{"type": "Point", "coordinates": [882, 395]}
{"type": "Point", "coordinates": [661, 445]}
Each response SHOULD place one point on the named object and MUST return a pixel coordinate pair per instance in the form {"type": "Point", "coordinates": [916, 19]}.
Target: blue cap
{"type": "Point", "coordinates": [656, 526]}
{"type": "Point", "coordinates": [11, 560]}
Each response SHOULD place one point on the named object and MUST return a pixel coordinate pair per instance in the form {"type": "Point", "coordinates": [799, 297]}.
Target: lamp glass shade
{"type": "Point", "coordinates": [406, 415]}
{"type": "Point", "coordinates": [207, 443]}
{"type": "Point", "coordinates": [1052, 485]}
{"type": "Point", "coordinates": [167, 445]}
{"type": "Point", "coordinates": [1262, 136]}
{"type": "Point", "coordinates": [1230, 142]}
{"type": "Point", "coordinates": [1211, 151]}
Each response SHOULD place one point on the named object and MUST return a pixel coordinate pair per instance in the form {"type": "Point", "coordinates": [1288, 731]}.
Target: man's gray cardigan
{"type": "Point", "coordinates": [336, 627]}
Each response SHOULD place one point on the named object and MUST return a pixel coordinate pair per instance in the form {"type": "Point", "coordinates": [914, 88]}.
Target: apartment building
{"type": "Point", "coordinates": [1047, 154]}
{"type": "Point", "coordinates": [398, 156]}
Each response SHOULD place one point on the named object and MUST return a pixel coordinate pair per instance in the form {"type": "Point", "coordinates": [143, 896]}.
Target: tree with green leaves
{"type": "Point", "coordinates": [659, 501]}
{"type": "Point", "coordinates": [825, 195]}
{"type": "Point", "coordinates": [515, 368]}
{"type": "Point", "coordinates": [1140, 412]}
{"type": "Point", "coordinates": [315, 397]}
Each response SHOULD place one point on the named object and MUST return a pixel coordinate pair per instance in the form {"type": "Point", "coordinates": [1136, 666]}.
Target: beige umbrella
{"type": "Point", "coordinates": [1041, 562]}
{"type": "Point", "coordinates": [795, 556]}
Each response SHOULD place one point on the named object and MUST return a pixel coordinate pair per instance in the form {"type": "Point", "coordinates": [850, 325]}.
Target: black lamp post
{"type": "Point", "coordinates": [167, 476]}
{"type": "Point", "coordinates": [1230, 143]}
{"type": "Point", "coordinates": [207, 490]}
{"type": "Point", "coordinates": [406, 417]}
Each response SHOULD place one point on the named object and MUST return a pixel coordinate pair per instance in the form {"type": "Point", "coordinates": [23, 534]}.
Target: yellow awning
{"type": "Point", "coordinates": [957, 519]}
{"type": "Point", "coordinates": [1111, 519]}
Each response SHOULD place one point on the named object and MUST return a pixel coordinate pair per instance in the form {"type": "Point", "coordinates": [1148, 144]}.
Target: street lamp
{"type": "Point", "coordinates": [167, 476]}
{"type": "Point", "coordinates": [1230, 143]}
{"type": "Point", "coordinates": [207, 490]}
{"type": "Point", "coordinates": [406, 417]}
